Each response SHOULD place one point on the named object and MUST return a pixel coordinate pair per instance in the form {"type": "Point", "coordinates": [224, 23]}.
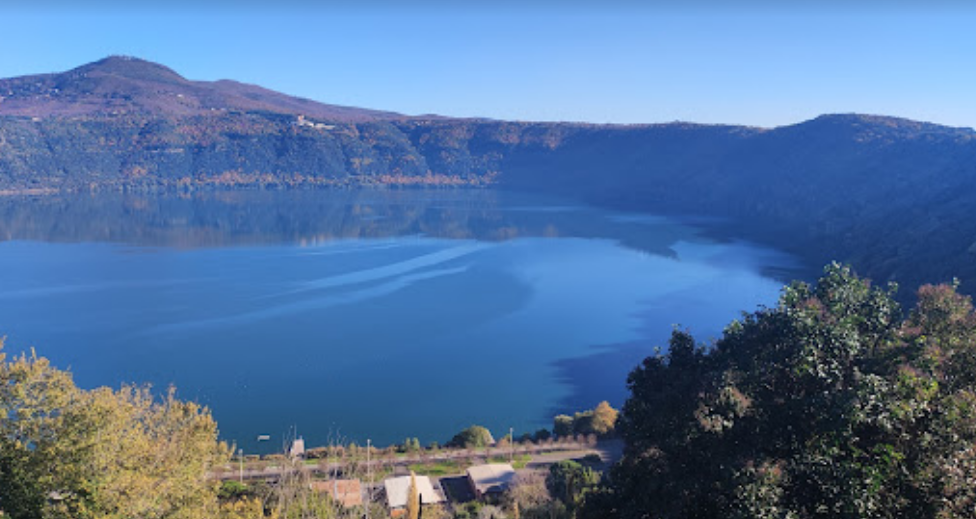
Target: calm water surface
{"type": "Point", "coordinates": [364, 314]}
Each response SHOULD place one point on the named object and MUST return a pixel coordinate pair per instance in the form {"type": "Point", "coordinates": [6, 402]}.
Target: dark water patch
{"type": "Point", "coordinates": [596, 377]}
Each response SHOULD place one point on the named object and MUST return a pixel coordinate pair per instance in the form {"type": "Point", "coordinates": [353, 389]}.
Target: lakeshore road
{"type": "Point", "coordinates": [608, 451]}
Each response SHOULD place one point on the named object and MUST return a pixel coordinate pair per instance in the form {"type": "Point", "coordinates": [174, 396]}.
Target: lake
{"type": "Point", "coordinates": [365, 314]}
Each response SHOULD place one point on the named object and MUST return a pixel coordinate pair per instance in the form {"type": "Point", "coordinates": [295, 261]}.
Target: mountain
{"type": "Point", "coordinates": [892, 196]}
{"type": "Point", "coordinates": [120, 85]}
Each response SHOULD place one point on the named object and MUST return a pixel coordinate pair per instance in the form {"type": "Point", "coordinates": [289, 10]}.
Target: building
{"type": "Point", "coordinates": [397, 490]}
{"type": "Point", "coordinates": [491, 479]}
{"type": "Point", "coordinates": [348, 492]}
{"type": "Point", "coordinates": [297, 449]}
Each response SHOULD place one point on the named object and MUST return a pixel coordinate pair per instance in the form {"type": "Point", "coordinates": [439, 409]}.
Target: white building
{"type": "Point", "coordinates": [297, 448]}
{"type": "Point", "coordinates": [397, 490]}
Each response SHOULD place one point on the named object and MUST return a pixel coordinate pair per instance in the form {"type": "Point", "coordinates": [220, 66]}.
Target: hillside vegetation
{"type": "Point", "coordinates": [832, 404]}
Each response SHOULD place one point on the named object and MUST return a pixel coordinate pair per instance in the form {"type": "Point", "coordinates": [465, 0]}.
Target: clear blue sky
{"type": "Point", "coordinates": [758, 64]}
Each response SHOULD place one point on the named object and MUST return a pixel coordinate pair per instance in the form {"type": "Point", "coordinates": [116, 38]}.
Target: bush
{"type": "Point", "coordinates": [475, 436]}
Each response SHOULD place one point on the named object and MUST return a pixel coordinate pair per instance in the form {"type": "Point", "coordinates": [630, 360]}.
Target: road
{"type": "Point", "coordinates": [542, 455]}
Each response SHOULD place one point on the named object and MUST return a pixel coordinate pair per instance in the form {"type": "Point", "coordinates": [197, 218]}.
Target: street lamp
{"type": "Point", "coordinates": [511, 445]}
{"type": "Point", "coordinates": [369, 479]}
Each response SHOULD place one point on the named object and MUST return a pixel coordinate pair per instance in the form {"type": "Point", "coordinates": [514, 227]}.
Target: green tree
{"type": "Point", "coordinates": [831, 404]}
{"type": "Point", "coordinates": [562, 425]}
{"type": "Point", "coordinates": [66, 452]}
{"type": "Point", "coordinates": [475, 436]}
{"type": "Point", "coordinates": [410, 445]}
{"type": "Point", "coordinates": [244, 508]}
{"type": "Point", "coordinates": [568, 482]}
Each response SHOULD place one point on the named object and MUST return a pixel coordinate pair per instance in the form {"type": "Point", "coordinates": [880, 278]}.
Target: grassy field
{"type": "Point", "coordinates": [437, 468]}
{"type": "Point", "coordinates": [518, 462]}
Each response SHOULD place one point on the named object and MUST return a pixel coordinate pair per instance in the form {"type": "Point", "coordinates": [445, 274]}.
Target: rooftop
{"type": "Point", "coordinates": [493, 477]}
{"type": "Point", "coordinates": [347, 492]}
{"type": "Point", "coordinates": [397, 489]}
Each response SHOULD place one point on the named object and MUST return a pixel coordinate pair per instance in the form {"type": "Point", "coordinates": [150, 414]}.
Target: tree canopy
{"type": "Point", "coordinates": [475, 436]}
{"type": "Point", "coordinates": [600, 421]}
{"type": "Point", "coordinates": [71, 453]}
{"type": "Point", "coordinates": [831, 404]}
{"type": "Point", "coordinates": [568, 482]}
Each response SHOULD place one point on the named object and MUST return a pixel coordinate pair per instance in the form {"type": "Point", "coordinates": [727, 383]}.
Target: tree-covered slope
{"type": "Point", "coordinates": [830, 404]}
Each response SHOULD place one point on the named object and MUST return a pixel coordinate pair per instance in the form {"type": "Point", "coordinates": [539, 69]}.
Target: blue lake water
{"type": "Point", "coordinates": [364, 314]}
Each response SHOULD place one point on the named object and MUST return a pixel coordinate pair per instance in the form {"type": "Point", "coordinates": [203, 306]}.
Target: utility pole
{"type": "Point", "coordinates": [240, 457]}
{"type": "Point", "coordinates": [511, 445]}
{"type": "Point", "coordinates": [369, 479]}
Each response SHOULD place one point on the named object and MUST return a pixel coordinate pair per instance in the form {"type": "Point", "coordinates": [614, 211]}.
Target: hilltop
{"type": "Point", "coordinates": [890, 195]}
{"type": "Point", "coordinates": [124, 85]}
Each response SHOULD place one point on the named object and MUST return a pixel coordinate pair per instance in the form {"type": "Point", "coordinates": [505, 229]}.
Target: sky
{"type": "Point", "coordinates": [755, 63]}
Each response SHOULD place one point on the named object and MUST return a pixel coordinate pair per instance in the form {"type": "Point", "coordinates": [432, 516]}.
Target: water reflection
{"type": "Point", "coordinates": [384, 313]}
{"type": "Point", "coordinates": [310, 218]}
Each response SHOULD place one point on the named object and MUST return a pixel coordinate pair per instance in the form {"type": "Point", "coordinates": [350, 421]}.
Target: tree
{"type": "Point", "coordinates": [244, 508]}
{"type": "Point", "coordinates": [604, 419]}
{"type": "Point", "coordinates": [831, 404]}
{"type": "Point", "coordinates": [599, 421]}
{"type": "Point", "coordinates": [67, 452]}
{"type": "Point", "coordinates": [562, 426]}
{"type": "Point", "coordinates": [491, 512]}
{"type": "Point", "coordinates": [568, 482]}
{"type": "Point", "coordinates": [410, 445]}
{"type": "Point", "coordinates": [528, 496]}
{"type": "Point", "coordinates": [474, 437]}
{"type": "Point", "coordinates": [413, 498]}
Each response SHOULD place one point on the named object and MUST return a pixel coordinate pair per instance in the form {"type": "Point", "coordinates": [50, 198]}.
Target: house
{"type": "Point", "coordinates": [491, 479]}
{"type": "Point", "coordinates": [302, 121]}
{"type": "Point", "coordinates": [297, 449]}
{"type": "Point", "coordinates": [397, 490]}
{"type": "Point", "coordinates": [348, 492]}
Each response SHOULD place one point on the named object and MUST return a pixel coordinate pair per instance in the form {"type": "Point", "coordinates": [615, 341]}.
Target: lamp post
{"type": "Point", "coordinates": [369, 479]}
{"type": "Point", "coordinates": [511, 445]}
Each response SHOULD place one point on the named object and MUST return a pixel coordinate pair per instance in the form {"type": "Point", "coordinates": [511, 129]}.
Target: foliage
{"type": "Point", "coordinates": [475, 436]}
{"type": "Point", "coordinates": [467, 510]}
{"type": "Point", "coordinates": [491, 512]}
{"type": "Point", "coordinates": [231, 489]}
{"type": "Point", "coordinates": [410, 445]}
{"type": "Point", "coordinates": [568, 482]}
{"type": "Point", "coordinates": [562, 425]}
{"type": "Point", "coordinates": [831, 404]}
{"type": "Point", "coordinates": [67, 452]}
{"type": "Point", "coordinates": [599, 421]}
{"type": "Point", "coordinates": [592, 459]}
{"type": "Point", "coordinates": [246, 508]}
{"type": "Point", "coordinates": [292, 495]}
{"type": "Point", "coordinates": [604, 420]}
{"type": "Point", "coordinates": [529, 495]}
